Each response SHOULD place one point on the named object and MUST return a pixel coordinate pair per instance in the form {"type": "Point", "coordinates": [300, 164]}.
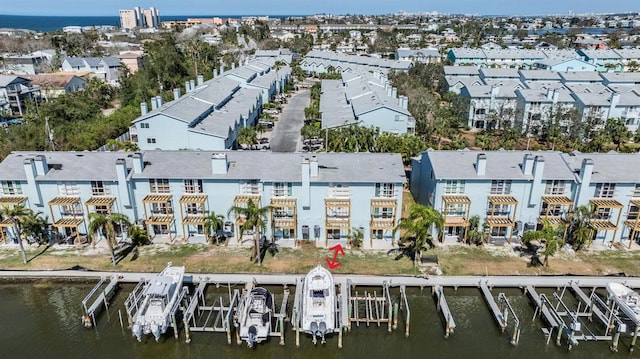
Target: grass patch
{"type": "Point", "coordinates": [199, 258]}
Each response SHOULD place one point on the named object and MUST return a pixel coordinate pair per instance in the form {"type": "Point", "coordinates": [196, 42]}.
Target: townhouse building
{"type": "Point", "coordinates": [15, 91]}
{"type": "Point", "coordinates": [108, 69]}
{"type": "Point", "coordinates": [211, 113]}
{"type": "Point", "coordinates": [319, 197]}
{"type": "Point", "coordinates": [319, 62]}
{"type": "Point", "coordinates": [365, 99]}
{"type": "Point", "coordinates": [516, 191]}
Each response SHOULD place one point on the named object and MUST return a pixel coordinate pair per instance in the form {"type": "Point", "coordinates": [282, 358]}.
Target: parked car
{"type": "Point", "coordinates": [263, 144]}
{"type": "Point", "coordinates": [266, 123]}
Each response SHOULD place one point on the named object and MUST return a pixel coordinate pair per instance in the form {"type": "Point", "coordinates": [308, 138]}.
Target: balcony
{"type": "Point", "coordinates": [499, 218]}
{"type": "Point", "coordinates": [192, 210]}
{"type": "Point", "coordinates": [605, 223]}
{"type": "Point", "coordinates": [633, 221]}
{"type": "Point", "coordinates": [68, 218]}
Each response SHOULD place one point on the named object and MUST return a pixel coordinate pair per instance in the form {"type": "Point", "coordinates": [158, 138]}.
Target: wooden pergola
{"type": "Point", "coordinates": [190, 218]}
{"type": "Point", "coordinates": [383, 223]}
{"type": "Point", "coordinates": [552, 219]}
{"type": "Point", "coordinates": [604, 224]}
{"type": "Point", "coordinates": [332, 222]}
{"type": "Point", "coordinates": [9, 201]}
{"type": "Point", "coordinates": [74, 221]}
{"type": "Point", "coordinates": [456, 221]}
{"type": "Point", "coordinates": [156, 219]}
{"type": "Point", "coordinates": [242, 200]}
{"type": "Point", "coordinates": [501, 221]}
{"type": "Point", "coordinates": [633, 224]}
{"type": "Point", "coordinates": [100, 201]}
{"type": "Point", "coordinates": [287, 204]}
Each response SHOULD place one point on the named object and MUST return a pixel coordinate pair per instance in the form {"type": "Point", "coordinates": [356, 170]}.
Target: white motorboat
{"type": "Point", "coordinates": [255, 314]}
{"type": "Point", "coordinates": [627, 299]}
{"type": "Point", "coordinates": [318, 304]}
{"type": "Point", "coordinates": [157, 301]}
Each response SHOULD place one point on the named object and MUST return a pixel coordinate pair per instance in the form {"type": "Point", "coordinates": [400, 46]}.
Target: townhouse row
{"type": "Point", "coordinates": [529, 98]}
{"type": "Point", "coordinates": [209, 115]}
{"type": "Point", "coordinates": [320, 197]}
{"type": "Point", "coordinates": [516, 191]}
{"type": "Point", "coordinates": [591, 59]}
{"type": "Point", "coordinates": [365, 99]}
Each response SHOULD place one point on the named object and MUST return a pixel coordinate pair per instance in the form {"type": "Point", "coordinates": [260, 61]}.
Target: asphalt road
{"type": "Point", "coordinates": [285, 136]}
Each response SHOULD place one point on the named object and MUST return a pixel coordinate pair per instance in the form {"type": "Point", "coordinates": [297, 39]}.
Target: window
{"type": "Point", "coordinates": [98, 189]}
{"type": "Point", "coordinates": [455, 210]}
{"type": "Point", "coordinates": [67, 189]}
{"type": "Point", "coordinates": [192, 186]}
{"type": "Point", "coordinates": [159, 185]}
{"type": "Point", "coordinates": [633, 213]}
{"type": "Point", "coordinates": [454, 187]}
{"type": "Point", "coordinates": [480, 111]}
{"type": "Point", "coordinates": [498, 210]}
{"type": "Point", "coordinates": [282, 189]}
{"type": "Point", "coordinates": [605, 190]}
{"type": "Point", "coordinates": [338, 190]}
{"type": "Point", "coordinates": [250, 187]}
{"type": "Point", "coordinates": [338, 212]}
{"type": "Point", "coordinates": [101, 210]}
{"type": "Point", "coordinates": [144, 125]}
{"type": "Point", "coordinates": [385, 190]}
{"type": "Point", "coordinates": [194, 208]}
{"type": "Point", "coordinates": [11, 188]}
{"type": "Point", "coordinates": [162, 208]}
{"type": "Point", "coordinates": [554, 210]}
{"type": "Point", "coordinates": [603, 213]}
{"type": "Point", "coordinates": [501, 187]}
{"type": "Point", "coordinates": [636, 191]}
{"type": "Point", "coordinates": [383, 212]}
{"type": "Point", "coordinates": [151, 140]}
{"type": "Point", "coordinates": [555, 188]}
{"type": "Point", "coordinates": [283, 213]}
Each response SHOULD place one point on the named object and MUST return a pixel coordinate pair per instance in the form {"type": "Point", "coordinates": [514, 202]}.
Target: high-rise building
{"type": "Point", "coordinates": [137, 17]}
{"type": "Point", "coordinates": [151, 17]}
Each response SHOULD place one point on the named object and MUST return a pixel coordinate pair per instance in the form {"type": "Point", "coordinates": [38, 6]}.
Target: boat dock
{"type": "Point", "coordinates": [441, 303]}
{"type": "Point", "coordinates": [367, 300]}
{"type": "Point", "coordinates": [99, 297]}
{"type": "Point", "coordinates": [501, 313]}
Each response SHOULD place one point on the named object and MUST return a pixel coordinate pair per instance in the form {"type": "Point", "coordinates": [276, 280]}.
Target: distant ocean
{"type": "Point", "coordinates": [53, 23]}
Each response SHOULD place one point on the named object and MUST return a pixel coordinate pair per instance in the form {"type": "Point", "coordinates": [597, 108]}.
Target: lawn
{"type": "Point", "coordinates": [454, 260]}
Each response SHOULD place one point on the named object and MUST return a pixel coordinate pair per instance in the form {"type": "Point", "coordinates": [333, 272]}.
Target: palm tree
{"type": "Point", "coordinates": [212, 223]}
{"type": "Point", "coordinates": [254, 219]}
{"type": "Point", "coordinates": [35, 226]}
{"type": "Point", "coordinates": [106, 224]}
{"type": "Point", "coordinates": [579, 229]}
{"type": "Point", "coordinates": [277, 66]}
{"type": "Point", "coordinates": [17, 215]}
{"type": "Point", "coordinates": [551, 237]}
{"type": "Point", "coordinates": [356, 237]}
{"type": "Point", "coordinates": [416, 229]}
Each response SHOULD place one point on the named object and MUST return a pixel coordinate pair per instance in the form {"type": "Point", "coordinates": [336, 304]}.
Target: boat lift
{"type": "Point", "coordinates": [222, 317]}
{"type": "Point", "coordinates": [570, 322]}
{"type": "Point", "coordinates": [501, 312]}
{"type": "Point", "coordinates": [441, 303]}
{"type": "Point", "coordinates": [134, 301]}
{"type": "Point", "coordinates": [99, 296]}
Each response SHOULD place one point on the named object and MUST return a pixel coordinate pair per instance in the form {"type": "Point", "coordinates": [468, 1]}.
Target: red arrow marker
{"type": "Point", "coordinates": [332, 263]}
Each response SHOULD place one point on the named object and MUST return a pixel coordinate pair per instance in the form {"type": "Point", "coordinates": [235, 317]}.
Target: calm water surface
{"type": "Point", "coordinates": [43, 321]}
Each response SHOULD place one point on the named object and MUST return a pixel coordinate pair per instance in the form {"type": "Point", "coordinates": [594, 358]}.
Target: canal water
{"type": "Point", "coordinates": [42, 320]}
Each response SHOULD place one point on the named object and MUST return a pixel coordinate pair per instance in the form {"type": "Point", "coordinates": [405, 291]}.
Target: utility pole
{"type": "Point", "coordinates": [49, 132]}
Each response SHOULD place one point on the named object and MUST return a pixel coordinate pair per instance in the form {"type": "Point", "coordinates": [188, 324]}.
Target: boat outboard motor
{"type": "Point", "coordinates": [253, 332]}
{"type": "Point", "coordinates": [314, 331]}
{"type": "Point", "coordinates": [322, 329]}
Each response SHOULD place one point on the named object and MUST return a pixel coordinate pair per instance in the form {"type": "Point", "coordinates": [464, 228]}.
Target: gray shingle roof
{"type": "Point", "coordinates": [607, 167]}
{"type": "Point", "coordinates": [500, 165]}
{"type": "Point", "coordinates": [275, 166]}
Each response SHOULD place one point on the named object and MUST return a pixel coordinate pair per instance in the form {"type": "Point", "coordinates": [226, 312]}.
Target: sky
{"type": "Point", "coordinates": [309, 7]}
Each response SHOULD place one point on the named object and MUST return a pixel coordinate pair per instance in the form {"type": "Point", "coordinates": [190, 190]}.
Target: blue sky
{"type": "Point", "coordinates": [305, 7]}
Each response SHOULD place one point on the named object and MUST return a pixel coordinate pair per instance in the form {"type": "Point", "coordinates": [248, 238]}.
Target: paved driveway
{"type": "Point", "coordinates": [285, 136]}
